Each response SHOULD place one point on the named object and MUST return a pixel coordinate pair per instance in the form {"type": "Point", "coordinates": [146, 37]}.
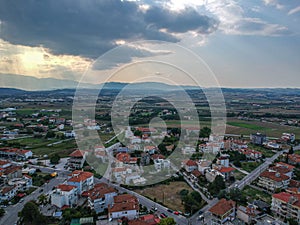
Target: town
{"type": "Point", "coordinates": [254, 178]}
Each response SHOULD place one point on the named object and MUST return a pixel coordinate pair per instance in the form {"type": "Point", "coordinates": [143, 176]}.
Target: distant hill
{"type": "Point", "coordinates": [40, 84]}
{"type": "Point", "coordinates": [34, 84]}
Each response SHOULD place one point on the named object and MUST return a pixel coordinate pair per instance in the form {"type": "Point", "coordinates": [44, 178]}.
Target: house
{"type": "Point", "coordinates": [145, 220]}
{"type": "Point", "coordinates": [188, 150]}
{"type": "Point", "coordinates": [135, 140]}
{"type": "Point", "coordinates": [77, 159]}
{"type": "Point", "coordinates": [273, 181]}
{"type": "Point", "coordinates": [288, 137]}
{"type": "Point", "coordinates": [286, 205]}
{"type": "Point", "coordinates": [124, 205]}
{"type": "Point", "coordinates": [134, 178]}
{"type": "Point", "coordinates": [203, 165]}
{"type": "Point", "coordinates": [247, 214]}
{"type": "Point", "coordinates": [251, 154]}
{"type": "Point", "coordinates": [226, 172]}
{"type": "Point", "coordinates": [223, 211]}
{"type": "Point", "coordinates": [22, 184]}
{"type": "Point", "coordinates": [64, 195]}
{"type": "Point", "coordinates": [160, 164]}
{"type": "Point", "coordinates": [15, 153]}
{"type": "Point", "coordinates": [12, 172]}
{"type": "Point", "coordinates": [150, 219]}
{"type": "Point", "coordinates": [8, 192]}
{"type": "Point", "coordinates": [145, 159]}
{"type": "Point", "coordinates": [223, 160]}
{"type": "Point", "coordinates": [211, 175]}
{"type": "Point", "coordinates": [282, 168]}
{"type": "Point", "coordinates": [101, 154]}
{"type": "Point", "coordinates": [70, 134]}
{"type": "Point", "coordinates": [294, 159]}
{"type": "Point", "coordinates": [100, 197]}
{"type": "Point", "coordinates": [126, 158]}
{"type": "Point", "coordinates": [83, 181]}
{"type": "Point", "coordinates": [258, 138]}
{"type": "Point", "coordinates": [195, 174]}
{"type": "Point", "coordinates": [122, 150]}
{"type": "Point", "coordinates": [118, 172]}
{"type": "Point", "coordinates": [190, 165]}
{"type": "Point", "coordinates": [150, 149]}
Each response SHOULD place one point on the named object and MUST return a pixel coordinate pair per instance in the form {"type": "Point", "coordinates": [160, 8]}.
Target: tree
{"type": "Point", "coordinates": [167, 221]}
{"type": "Point", "coordinates": [291, 151]}
{"type": "Point", "coordinates": [162, 149]}
{"type": "Point", "coordinates": [43, 199]}
{"type": "Point", "coordinates": [2, 212]}
{"type": "Point", "coordinates": [50, 134]}
{"type": "Point", "coordinates": [54, 159]}
{"type": "Point", "coordinates": [31, 214]}
{"type": "Point", "coordinates": [217, 185]}
{"type": "Point", "coordinates": [205, 132]}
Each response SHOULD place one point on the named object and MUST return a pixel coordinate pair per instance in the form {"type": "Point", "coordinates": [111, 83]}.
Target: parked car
{"type": "Point", "coordinates": [162, 215]}
{"type": "Point", "coordinates": [170, 210]}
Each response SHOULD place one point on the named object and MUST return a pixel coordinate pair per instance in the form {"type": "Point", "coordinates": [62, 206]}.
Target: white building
{"type": "Point", "coordinates": [188, 150]}
{"type": "Point", "coordinates": [83, 181]}
{"type": "Point", "coordinates": [125, 205]}
{"type": "Point", "coordinates": [100, 197]}
{"type": "Point", "coordinates": [160, 164]}
{"type": "Point", "coordinates": [64, 195]}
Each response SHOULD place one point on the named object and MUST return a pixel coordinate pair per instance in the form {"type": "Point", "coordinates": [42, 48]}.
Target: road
{"type": "Point", "coordinates": [180, 220]}
{"type": "Point", "coordinates": [256, 172]}
{"type": "Point", "coordinates": [11, 215]}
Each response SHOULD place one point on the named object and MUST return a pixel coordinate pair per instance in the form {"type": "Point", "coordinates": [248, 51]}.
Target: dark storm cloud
{"type": "Point", "coordinates": [90, 27]}
{"type": "Point", "coordinates": [180, 21]}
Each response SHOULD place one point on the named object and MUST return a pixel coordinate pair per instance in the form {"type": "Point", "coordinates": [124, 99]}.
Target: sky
{"type": "Point", "coordinates": [245, 43]}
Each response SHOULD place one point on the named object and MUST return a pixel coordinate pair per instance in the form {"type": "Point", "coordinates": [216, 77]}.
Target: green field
{"type": "Point", "coordinates": [248, 126]}
{"type": "Point", "coordinates": [41, 146]}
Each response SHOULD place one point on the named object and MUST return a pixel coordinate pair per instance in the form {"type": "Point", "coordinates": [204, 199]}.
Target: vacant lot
{"type": "Point", "coordinates": [250, 166]}
{"type": "Point", "coordinates": [167, 194]}
{"type": "Point", "coordinates": [254, 194]}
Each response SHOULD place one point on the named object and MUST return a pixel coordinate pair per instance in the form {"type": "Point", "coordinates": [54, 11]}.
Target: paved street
{"type": "Point", "coordinates": [11, 215]}
{"type": "Point", "coordinates": [256, 172]}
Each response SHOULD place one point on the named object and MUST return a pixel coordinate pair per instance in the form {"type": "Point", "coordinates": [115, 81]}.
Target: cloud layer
{"type": "Point", "coordinates": [91, 27]}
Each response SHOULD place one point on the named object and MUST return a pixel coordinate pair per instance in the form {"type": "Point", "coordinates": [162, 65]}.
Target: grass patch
{"type": "Point", "coordinates": [267, 152]}
{"type": "Point", "coordinates": [247, 125]}
{"type": "Point", "coordinates": [253, 194]}
{"type": "Point", "coordinates": [239, 175]}
{"type": "Point", "coordinates": [250, 166]}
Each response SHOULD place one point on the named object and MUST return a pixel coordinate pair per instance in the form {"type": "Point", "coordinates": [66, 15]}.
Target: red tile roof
{"type": "Point", "coordinates": [226, 169]}
{"type": "Point", "coordinates": [191, 163]}
{"type": "Point", "coordinates": [158, 156]}
{"type": "Point", "coordinates": [280, 169]}
{"type": "Point", "coordinates": [274, 176]}
{"type": "Point", "coordinates": [196, 173]}
{"type": "Point", "coordinates": [99, 191]}
{"type": "Point", "coordinates": [294, 158]}
{"type": "Point", "coordinates": [77, 153]}
{"type": "Point", "coordinates": [137, 222]}
{"type": "Point", "coordinates": [78, 176]}
{"type": "Point", "coordinates": [293, 199]}
{"type": "Point", "coordinates": [222, 207]}
{"type": "Point", "coordinates": [285, 165]}
{"type": "Point", "coordinates": [125, 198]}
{"type": "Point", "coordinates": [65, 187]}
